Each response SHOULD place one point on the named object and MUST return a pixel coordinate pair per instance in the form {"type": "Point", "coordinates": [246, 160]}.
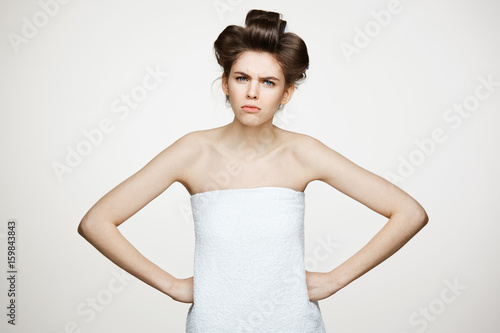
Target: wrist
{"type": "Point", "coordinates": [335, 280]}
{"type": "Point", "coordinates": [169, 284]}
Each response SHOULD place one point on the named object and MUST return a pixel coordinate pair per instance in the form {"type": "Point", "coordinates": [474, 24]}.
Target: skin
{"type": "Point", "coordinates": [258, 154]}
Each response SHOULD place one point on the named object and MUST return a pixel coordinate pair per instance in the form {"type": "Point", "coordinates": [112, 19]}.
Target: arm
{"type": "Point", "coordinates": [406, 216]}
{"type": "Point", "coordinates": [99, 225]}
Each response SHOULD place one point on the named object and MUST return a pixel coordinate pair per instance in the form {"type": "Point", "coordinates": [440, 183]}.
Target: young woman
{"type": "Point", "coordinates": [249, 272]}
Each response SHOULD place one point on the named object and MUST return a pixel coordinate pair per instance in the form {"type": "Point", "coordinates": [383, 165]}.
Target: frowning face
{"type": "Point", "coordinates": [256, 87]}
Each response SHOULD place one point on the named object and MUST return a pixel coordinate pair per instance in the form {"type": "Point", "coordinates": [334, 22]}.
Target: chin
{"type": "Point", "coordinates": [253, 122]}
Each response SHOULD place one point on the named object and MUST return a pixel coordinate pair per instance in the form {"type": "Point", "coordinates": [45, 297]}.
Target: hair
{"type": "Point", "coordinates": [265, 32]}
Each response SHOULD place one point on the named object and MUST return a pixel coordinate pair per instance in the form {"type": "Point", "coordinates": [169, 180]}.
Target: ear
{"type": "Point", "coordinates": [287, 94]}
{"type": "Point", "coordinates": [225, 87]}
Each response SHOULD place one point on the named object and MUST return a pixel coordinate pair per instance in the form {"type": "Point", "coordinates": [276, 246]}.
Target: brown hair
{"type": "Point", "coordinates": [264, 31]}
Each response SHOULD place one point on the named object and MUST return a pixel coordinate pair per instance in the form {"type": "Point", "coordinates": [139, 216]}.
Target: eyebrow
{"type": "Point", "coordinates": [262, 78]}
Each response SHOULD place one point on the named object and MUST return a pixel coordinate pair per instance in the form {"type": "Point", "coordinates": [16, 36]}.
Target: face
{"type": "Point", "coordinates": [256, 79]}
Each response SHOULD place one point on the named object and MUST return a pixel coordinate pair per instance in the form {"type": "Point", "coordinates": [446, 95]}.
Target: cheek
{"type": "Point", "coordinates": [273, 95]}
{"type": "Point", "coordinates": [235, 89]}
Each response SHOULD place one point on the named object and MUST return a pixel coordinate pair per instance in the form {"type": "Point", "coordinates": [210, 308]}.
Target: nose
{"type": "Point", "coordinates": [253, 90]}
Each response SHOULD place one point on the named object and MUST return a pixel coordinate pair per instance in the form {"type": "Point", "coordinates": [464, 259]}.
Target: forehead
{"type": "Point", "coordinates": [257, 64]}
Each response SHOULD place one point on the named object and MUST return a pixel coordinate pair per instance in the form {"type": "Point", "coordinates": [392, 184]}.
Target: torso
{"type": "Point", "coordinates": [218, 167]}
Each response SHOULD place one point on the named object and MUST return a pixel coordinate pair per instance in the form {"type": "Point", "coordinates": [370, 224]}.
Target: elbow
{"type": "Point", "coordinates": [414, 215]}
{"type": "Point", "coordinates": [92, 225]}
{"type": "Point", "coordinates": [83, 227]}
{"type": "Point", "coordinates": [86, 226]}
{"type": "Point", "coordinates": [425, 219]}
{"type": "Point", "coordinates": [419, 217]}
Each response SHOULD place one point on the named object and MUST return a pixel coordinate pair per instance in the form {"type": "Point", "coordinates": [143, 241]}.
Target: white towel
{"type": "Point", "coordinates": [249, 270]}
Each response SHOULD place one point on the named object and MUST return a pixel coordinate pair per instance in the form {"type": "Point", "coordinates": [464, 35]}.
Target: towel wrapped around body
{"type": "Point", "coordinates": [249, 269]}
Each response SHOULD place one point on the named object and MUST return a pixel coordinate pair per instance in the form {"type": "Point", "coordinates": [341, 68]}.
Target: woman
{"type": "Point", "coordinates": [249, 273]}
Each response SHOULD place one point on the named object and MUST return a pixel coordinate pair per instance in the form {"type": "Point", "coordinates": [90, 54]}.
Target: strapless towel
{"type": "Point", "coordinates": [249, 269]}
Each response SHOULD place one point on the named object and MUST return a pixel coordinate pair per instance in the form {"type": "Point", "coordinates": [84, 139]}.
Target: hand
{"type": "Point", "coordinates": [319, 285]}
{"type": "Point", "coordinates": [182, 290]}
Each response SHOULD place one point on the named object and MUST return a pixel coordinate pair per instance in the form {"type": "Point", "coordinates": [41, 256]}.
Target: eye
{"type": "Point", "coordinates": [269, 83]}
{"type": "Point", "coordinates": [241, 78]}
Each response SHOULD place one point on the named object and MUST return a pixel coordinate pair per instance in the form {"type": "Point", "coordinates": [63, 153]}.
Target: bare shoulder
{"type": "Point", "coordinates": [306, 142]}
{"type": "Point", "coordinates": [312, 154]}
{"type": "Point", "coordinates": [304, 146]}
{"type": "Point", "coordinates": [188, 147]}
{"type": "Point", "coordinates": [193, 142]}
{"type": "Point", "coordinates": [189, 150]}
{"type": "Point", "coordinates": [298, 140]}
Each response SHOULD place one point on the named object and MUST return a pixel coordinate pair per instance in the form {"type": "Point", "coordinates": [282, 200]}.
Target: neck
{"type": "Point", "coordinates": [241, 138]}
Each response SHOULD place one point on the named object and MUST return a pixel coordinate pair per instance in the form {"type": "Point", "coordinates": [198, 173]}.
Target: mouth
{"type": "Point", "coordinates": [250, 108]}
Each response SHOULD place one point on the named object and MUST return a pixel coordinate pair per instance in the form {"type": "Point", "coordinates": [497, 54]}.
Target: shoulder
{"type": "Point", "coordinates": [191, 146]}
{"type": "Point", "coordinates": [194, 141]}
{"type": "Point", "coordinates": [181, 151]}
{"type": "Point", "coordinates": [303, 145]}
{"type": "Point", "coordinates": [313, 155]}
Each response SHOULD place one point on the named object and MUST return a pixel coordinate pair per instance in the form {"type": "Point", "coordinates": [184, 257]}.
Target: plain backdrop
{"type": "Point", "coordinates": [398, 87]}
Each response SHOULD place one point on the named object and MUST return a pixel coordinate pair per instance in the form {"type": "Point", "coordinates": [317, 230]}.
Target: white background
{"type": "Point", "coordinates": [64, 77]}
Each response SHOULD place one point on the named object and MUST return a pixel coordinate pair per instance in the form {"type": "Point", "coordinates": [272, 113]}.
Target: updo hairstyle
{"type": "Point", "coordinates": [264, 31]}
